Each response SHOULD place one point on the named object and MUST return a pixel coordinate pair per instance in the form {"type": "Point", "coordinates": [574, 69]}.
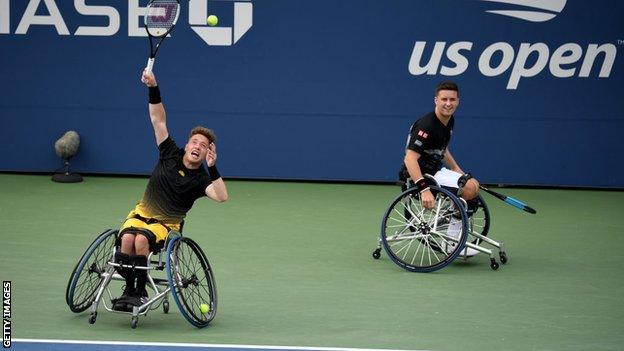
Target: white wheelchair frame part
{"type": "Point", "coordinates": [174, 282]}
{"type": "Point", "coordinates": [470, 244]}
{"type": "Point", "coordinates": [479, 238]}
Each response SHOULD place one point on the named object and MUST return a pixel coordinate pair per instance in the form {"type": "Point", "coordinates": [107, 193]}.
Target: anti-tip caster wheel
{"type": "Point", "coordinates": [493, 264]}
{"type": "Point", "coordinates": [92, 318]}
{"type": "Point", "coordinates": [166, 306]}
{"type": "Point", "coordinates": [503, 257]}
{"type": "Point", "coordinates": [377, 253]}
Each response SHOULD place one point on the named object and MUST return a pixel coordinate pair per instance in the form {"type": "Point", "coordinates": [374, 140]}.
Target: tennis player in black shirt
{"type": "Point", "coordinates": [178, 179]}
{"type": "Point", "coordinates": [427, 148]}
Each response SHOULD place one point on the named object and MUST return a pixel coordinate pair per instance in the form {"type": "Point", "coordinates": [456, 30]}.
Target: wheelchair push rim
{"type": "Point", "coordinates": [191, 280]}
{"type": "Point", "coordinates": [424, 240]}
{"type": "Point", "coordinates": [87, 274]}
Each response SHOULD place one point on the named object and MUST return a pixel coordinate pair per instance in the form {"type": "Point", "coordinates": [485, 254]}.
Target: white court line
{"type": "Point", "coordinates": [225, 346]}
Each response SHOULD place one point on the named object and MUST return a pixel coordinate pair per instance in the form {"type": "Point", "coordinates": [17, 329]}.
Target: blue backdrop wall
{"type": "Point", "coordinates": [323, 89]}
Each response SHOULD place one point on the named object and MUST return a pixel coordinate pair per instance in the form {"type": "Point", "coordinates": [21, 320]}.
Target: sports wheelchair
{"type": "Point", "coordinates": [188, 277]}
{"type": "Point", "coordinates": [418, 239]}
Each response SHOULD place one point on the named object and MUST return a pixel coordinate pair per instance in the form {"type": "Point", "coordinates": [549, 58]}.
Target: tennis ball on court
{"type": "Point", "coordinates": [204, 308]}
{"type": "Point", "coordinates": [212, 20]}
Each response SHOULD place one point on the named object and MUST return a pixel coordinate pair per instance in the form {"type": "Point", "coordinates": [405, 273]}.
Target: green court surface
{"type": "Point", "coordinates": [293, 267]}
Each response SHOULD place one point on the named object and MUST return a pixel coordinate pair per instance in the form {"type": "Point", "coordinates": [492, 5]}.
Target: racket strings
{"type": "Point", "coordinates": [161, 16]}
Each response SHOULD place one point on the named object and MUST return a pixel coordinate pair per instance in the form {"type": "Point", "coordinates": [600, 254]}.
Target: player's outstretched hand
{"type": "Point", "coordinates": [148, 78]}
{"type": "Point", "coordinates": [211, 155]}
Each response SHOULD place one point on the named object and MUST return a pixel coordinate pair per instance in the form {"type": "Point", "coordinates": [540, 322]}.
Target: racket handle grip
{"type": "Point", "coordinates": [150, 64]}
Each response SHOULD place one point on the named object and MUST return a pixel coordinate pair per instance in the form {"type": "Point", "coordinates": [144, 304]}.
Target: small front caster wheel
{"type": "Point", "coordinates": [134, 322]}
{"type": "Point", "coordinates": [377, 253]}
{"type": "Point", "coordinates": [503, 257]}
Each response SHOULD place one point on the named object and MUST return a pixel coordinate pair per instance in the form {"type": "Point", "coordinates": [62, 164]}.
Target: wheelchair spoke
{"type": "Point", "coordinates": [402, 225]}
{"type": "Point", "coordinates": [428, 256]}
{"type": "Point", "coordinates": [418, 215]}
{"type": "Point", "coordinates": [421, 245]}
{"type": "Point", "coordinates": [406, 210]}
{"type": "Point", "coordinates": [191, 265]}
{"type": "Point", "coordinates": [405, 247]}
{"type": "Point", "coordinates": [441, 246]}
{"type": "Point", "coordinates": [406, 222]}
{"type": "Point", "coordinates": [418, 245]}
{"type": "Point", "coordinates": [182, 264]}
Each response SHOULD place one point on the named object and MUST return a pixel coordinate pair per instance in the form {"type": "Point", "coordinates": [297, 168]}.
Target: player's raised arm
{"type": "Point", "coordinates": [156, 108]}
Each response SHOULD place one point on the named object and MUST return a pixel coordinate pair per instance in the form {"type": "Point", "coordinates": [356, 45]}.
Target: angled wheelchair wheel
{"type": "Point", "coordinates": [480, 220]}
{"type": "Point", "coordinates": [424, 240]}
{"type": "Point", "coordinates": [87, 274]}
{"type": "Point", "coordinates": [191, 280]}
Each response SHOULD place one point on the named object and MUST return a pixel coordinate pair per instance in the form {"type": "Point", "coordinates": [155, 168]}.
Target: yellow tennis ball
{"type": "Point", "coordinates": [212, 20]}
{"type": "Point", "coordinates": [204, 308]}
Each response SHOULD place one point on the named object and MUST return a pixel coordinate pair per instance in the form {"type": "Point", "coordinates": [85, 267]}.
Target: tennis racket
{"type": "Point", "coordinates": [510, 200]}
{"type": "Point", "coordinates": [160, 18]}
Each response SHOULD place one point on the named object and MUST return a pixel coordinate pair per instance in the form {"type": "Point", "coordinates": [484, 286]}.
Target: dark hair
{"type": "Point", "coordinates": [208, 133]}
{"type": "Point", "coordinates": [447, 86]}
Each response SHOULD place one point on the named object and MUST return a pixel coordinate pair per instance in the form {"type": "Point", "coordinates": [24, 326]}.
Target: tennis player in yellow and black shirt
{"type": "Point", "coordinates": [178, 179]}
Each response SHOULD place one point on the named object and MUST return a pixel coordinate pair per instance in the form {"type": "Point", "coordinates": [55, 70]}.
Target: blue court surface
{"type": "Point", "coordinates": [71, 345]}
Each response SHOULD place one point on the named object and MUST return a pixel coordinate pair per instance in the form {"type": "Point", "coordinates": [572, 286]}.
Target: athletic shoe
{"type": "Point", "coordinates": [122, 303]}
{"type": "Point", "coordinates": [138, 298]}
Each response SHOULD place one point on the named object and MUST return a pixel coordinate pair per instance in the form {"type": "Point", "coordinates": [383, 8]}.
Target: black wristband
{"type": "Point", "coordinates": [213, 172]}
{"type": "Point", "coordinates": [422, 185]}
{"type": "Point", "coordinates": [154, 95]}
